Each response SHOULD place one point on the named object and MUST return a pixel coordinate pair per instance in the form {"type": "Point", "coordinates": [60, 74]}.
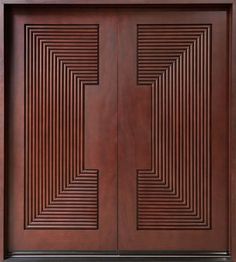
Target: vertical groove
{"type": "Point", "coordinates": [60, 191]}
{"type": "Point", "coordinates": [174, 61]}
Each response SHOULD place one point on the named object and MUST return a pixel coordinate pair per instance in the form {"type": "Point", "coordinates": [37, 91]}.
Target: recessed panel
{"type": "Point", "coordinates": [175, 193]}
{"type": "Point", "coordinates": [60, 62]}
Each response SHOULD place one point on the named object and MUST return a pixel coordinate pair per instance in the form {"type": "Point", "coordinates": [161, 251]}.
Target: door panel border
{"type": "Point", "coordinates": [229, 254]}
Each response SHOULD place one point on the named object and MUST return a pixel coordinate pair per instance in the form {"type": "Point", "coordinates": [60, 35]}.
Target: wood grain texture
{"type": "Point", "coordinates": [175, 192]}
{"type": "Point", "coordinates": [60, 62]}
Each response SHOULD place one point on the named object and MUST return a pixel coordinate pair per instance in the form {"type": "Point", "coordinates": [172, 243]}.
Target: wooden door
{"type": "Point", "coordinates": [62, 130]}
{"type": "Point", "coordinates": [118, 130]}
{"type": "Point", "coordinates": [173, 130]}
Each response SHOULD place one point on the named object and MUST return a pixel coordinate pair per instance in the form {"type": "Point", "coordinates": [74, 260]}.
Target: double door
{"type": "Point", "coordinates": [117, 130]}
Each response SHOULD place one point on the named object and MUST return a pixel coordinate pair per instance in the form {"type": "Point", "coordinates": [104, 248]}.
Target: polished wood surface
{"type": "Point", "coordinates": [168, 184]}
{"type": "Point", "coordinates": [63, 131]}
{"type": "Point", "coordinates": [175, 61]}
{"type": "Point", "coordinates": [61, 60]}
{"type": "Point", "coordinates": [172, 124]}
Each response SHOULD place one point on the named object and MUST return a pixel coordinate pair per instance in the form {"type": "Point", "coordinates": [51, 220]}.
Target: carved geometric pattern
{"type": "Point", "coordinates": [60, 192]}
{"type": "Point", "coordinates": [175, 193]}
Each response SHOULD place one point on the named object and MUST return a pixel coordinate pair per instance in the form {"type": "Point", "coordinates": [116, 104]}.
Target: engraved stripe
{"type": "Point", "coordinates": [60, 61]}
{"type": "Point", "coordinates": [175, 192]}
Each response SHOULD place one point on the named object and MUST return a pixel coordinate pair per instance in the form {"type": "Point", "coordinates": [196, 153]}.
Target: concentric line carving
{"type": "Point", "coordinates": [175, 193]}
{"type": "Point", "coordinates": [60, 192]}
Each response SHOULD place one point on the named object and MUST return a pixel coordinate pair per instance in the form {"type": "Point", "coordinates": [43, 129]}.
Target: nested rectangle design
{"type": "Point", "coordinates": [60, 60]}
{"type": "Point", "coordinates": [175, 60]}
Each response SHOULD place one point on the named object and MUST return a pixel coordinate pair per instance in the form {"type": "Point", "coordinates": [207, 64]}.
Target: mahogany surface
{"type": "Point", "coordinates": [118, 129]}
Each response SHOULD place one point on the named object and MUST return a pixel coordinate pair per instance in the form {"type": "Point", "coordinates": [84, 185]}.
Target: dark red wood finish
{"type": "Point", "coordinates": [232, 137]}
{"type": "Point", "coordinates": [63, 111]}
{"type": "Point", "coordinates": [172, 124]}
{"type": "Point", "coordinates": [124, 101]}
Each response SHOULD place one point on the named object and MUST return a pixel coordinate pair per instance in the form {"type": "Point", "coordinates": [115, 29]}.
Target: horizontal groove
{"type": "Point", "coordinates": [66, 193]}
{"type": "Point", "coordinates": [173, 116]}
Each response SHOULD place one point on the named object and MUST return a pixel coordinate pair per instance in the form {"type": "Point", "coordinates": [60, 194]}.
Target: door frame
{"type": "Point", "coordinates": [231, 9]}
